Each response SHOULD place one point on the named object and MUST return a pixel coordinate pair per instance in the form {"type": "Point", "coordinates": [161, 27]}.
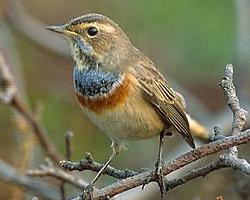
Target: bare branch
{"type": "Point", "coordinates": [223, 162]}
{"type": "Point", "coordinates": [239, 119]}
{"type": "Point", "coordinates": [181, 161]}
{"type": "Point", "coordinates": [185, 159]}
{"type": "Point", "coordinates": [201, 172]}
{"type": "Point", "coordinates": [230, 160]}
{"type": "Point", "coordinates": [7, 89]}
{"type": "Point", "coordinates": [68, 144]}
{"type": "Point", "coordinates": [236, 163]}
{"type": "Point", "coordinates": [89, 164]}
{"type": "Point", "coordinates": [9, 96]}
{"type": "Point", "coordinates": [59, 174]}
{"type": "Point", "coordinates": [44, 190]}
{"type": "Point", "coordinates": [239, 114]}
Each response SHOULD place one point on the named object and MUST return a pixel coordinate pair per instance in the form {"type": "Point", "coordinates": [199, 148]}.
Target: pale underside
{"type": "Point", "coordinates": [133, 119]}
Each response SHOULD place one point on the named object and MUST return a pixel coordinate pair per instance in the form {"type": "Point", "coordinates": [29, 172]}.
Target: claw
{"type": "Point", "coordinates": [88, 192]}
{"type": "Point", "coordinates": [146, 182]}
{"type": "Point", "coordinates": [159, 178]}
{"type": "Point", "coordinates": [156, 174]}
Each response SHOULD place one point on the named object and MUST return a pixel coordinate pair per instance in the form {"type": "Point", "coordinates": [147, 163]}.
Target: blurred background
{"type": "Point", "coordinates": [190, 41]}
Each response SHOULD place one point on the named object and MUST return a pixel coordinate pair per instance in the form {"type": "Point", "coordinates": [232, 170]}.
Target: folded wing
{"type": "Point", "coordinates": [157, 91]}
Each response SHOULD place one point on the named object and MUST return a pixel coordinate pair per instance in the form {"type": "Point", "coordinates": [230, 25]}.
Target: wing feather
{"type": "Point", "coordinates": [165, 100]}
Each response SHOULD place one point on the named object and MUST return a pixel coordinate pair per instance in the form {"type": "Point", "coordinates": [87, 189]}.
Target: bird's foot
{"type": "Point", "coordinates": [88, 192]}
{"type": "Point", "coordinates": [157, 176]}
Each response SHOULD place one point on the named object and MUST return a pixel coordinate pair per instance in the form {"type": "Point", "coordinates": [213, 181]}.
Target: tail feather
{"type": "Point", "coordinates": [197, 129]}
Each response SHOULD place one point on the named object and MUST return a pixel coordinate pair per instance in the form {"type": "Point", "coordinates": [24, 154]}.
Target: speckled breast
{"type": "Point", "coordinates": [98, 90]}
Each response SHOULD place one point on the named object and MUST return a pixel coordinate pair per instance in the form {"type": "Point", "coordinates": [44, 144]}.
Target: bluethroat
{"type": "Point", "coordinates": [119, 88]}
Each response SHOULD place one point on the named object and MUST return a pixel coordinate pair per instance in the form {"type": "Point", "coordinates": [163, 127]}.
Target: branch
{"type": "Point", "coordinates": [181, 161]}
{"type": "Point", "coordinates": [236, 163]}
{"type": "Point", "coordinates": [201, 172]}
{"type": "Point", "coordinates": [89, 164]}
{"type": "Point", "coordinates": [68, 145]}
{"type": "Point", "coordinates": [223, 143]}
{"type": "Point", "coordinates": [7, 88]}
{"type": "Point", "coordinates": [239, 114]}
{"type": "Point", "coordinates": [10, 96]}
{"type": "Point", "coordinates": [239, 119]}
{"type": "Point", "coordinates": [185, 159]}
{"type": "Point", "coordinates": [223, 162]}
{"type": "Point", "coordinates": [59, 174]}
{"type": "Point", "coordinates": [9, 174]}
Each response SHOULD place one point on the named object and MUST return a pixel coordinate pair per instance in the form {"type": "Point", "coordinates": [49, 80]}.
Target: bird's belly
{"type": "Point", "coordinates": [133, 118]}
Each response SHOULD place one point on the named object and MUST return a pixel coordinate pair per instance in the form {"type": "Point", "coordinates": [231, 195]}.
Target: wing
{"type": "Point", "coordinates": [165, 100]}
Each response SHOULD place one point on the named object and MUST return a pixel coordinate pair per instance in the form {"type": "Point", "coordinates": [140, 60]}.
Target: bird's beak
{"type": "Point", "coordinates": [61, 29]}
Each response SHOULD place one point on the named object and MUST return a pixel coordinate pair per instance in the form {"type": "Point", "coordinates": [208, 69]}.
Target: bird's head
{"type": "Point", "coordinates": [95, 41]}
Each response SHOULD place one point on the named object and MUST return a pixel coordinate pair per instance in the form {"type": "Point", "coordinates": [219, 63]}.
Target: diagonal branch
{"type": "Point", "coordinates": [224, 162]}
{"type": "Point", "coordinates": [10, 96]}
{"type": "Point", "coordinates": [181, 161]}
{"type": "Point", "coordinates": [201, 172]}
{"type": "Point", "coordinates": [7, 88]}
{"type": "Point", "coordinates": [9, 174]}
{"type": "Point", "coordinates": [239, 119]}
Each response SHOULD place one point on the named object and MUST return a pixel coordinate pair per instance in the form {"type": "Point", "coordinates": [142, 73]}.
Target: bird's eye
{"type": "Point", "coordinates": [92, 31]}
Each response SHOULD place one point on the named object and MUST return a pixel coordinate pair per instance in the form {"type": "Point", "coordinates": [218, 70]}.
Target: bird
{"type": "Point", "coordinates": [120, 89]}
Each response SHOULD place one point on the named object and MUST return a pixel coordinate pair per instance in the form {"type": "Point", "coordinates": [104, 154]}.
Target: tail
{"type": "Point", "coordinates": [197, 129]}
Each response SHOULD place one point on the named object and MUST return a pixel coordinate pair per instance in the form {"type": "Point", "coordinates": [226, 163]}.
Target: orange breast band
{"type": "Point", "coordinates": [110, 100]}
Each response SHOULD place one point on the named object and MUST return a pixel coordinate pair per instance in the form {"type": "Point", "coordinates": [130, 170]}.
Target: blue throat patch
{"type": "Point", "coordinates": [93, 82]}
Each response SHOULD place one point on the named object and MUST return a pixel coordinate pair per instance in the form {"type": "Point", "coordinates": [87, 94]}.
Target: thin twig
{"type": "Point", "coordinates": [68, 146]}
{"type": "Point", "coordinates": [7, 88]}
{"type": "Point", "coordinates": [89, 164]}
{"type": "Point", "coordinates": [58, 173]}
{"type": "Point", "coordinates": [9, 174]}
